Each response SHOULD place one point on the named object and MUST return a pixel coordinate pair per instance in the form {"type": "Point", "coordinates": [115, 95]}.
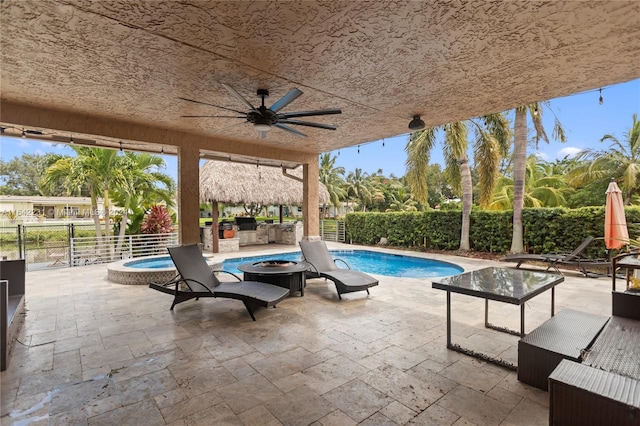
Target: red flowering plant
{"type": "Point", "coordinates": [157, 220]}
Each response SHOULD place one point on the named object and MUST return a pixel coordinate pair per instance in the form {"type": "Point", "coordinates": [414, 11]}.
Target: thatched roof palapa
{"type": "Point", "coordinates": [240, 183]}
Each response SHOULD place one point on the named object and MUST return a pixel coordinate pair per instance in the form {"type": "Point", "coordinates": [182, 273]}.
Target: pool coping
{"type": "Point", "coordinates": [119, 273]}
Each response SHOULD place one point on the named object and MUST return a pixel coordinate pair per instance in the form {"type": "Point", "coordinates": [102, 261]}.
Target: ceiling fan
{"type": "Point", "coordinates": [263, 118]}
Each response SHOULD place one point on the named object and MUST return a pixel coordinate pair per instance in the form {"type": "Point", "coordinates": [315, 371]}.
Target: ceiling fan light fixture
{"type": "Point", "coordinates": [262, 127]}
{"type": "Point", "coordinates": [265, 118]}
{"type": "Point", "coordinates": [416, 123]}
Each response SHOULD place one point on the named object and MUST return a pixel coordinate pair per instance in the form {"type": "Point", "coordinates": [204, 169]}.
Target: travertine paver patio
{"type": "Point", "coordinates": [98, 353]}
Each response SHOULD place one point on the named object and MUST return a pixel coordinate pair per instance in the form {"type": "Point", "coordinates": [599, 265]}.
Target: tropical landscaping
{"type": "Point", "coordinates": [500, 177]}
{"type": "Point", "coordinates": [483, 202]}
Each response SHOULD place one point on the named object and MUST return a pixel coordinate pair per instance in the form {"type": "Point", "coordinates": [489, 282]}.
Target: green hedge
{"type": "Point", "coordinates": [545, 229]}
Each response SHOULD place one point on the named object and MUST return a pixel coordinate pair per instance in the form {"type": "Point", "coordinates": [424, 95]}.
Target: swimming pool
{"type": "Point", "coordinates": [392, 265]}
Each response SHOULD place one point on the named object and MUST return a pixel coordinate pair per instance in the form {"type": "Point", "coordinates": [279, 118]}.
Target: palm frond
{"type": "Point", "coordinates": [487, 159]}
{"type": "Point", "coordinates": [418, 151]}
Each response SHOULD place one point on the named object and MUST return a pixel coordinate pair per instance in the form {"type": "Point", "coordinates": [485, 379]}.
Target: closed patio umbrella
{"type": "Point", "coordinates": [616, 234]}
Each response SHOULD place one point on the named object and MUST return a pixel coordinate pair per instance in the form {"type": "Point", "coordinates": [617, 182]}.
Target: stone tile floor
{"type": "Point", "coordinates": [96, 353]}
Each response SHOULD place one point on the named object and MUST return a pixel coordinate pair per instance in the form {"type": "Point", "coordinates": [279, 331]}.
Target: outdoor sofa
{"type": "Point", "coordinates": [592, 363]}
{"type": "Point", "coordinates": [12, 306]}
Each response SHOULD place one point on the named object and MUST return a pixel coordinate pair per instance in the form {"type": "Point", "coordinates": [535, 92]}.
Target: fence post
{"type": "Point", "coordinates": [130, 246]}
{"type": "Point", "coordinates": [69, 233]}
{"type": "Point", "coordinates": [23, 242]}
{"type": "Point", "coordinates": [19, 230]}
{"type": "Point", "coordinates": [72, 250]}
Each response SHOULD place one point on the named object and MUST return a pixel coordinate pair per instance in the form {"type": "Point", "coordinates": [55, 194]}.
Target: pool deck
{"type": "Point", "coordinates": [97, 353]}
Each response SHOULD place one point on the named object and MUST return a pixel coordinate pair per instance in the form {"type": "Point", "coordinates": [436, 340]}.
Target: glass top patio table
{"type": "Point", "coordinates": [507, 285]}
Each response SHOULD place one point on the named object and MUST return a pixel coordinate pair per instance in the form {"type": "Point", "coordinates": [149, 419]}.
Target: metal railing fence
{"type": "Point", "coordinates": [49, 246]}
{"type": "Point", "coordinates": [65, 245]}
{"type": "Point", "coordinates": [333, 230]}
{"type": "Point", "coordinates": [90, 250]}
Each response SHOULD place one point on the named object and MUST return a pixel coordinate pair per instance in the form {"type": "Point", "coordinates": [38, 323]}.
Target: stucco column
{"type": "Point", "coordinates": [189, 194]}
{"type": "Point", "coordinates": [310, 215]}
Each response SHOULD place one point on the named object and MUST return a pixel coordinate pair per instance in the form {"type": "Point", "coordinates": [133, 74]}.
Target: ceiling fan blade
{"type": "Point", "coordinates": [290, 130]}
{"type": "Point", "coordinates": [239, 97]}
{"type": "Point", "coordinates": [306, 123]}
{"type": "Point", "coordinates": [286, 99]}
{"type": "Point", "coordinates": [217, 106]}
{"type": "Point", "coordinates": [212, 116]}
{"type": "Point", "coordinates": [309, 113]}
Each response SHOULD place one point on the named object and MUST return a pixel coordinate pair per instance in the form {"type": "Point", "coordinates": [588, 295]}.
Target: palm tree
{"type": "Point", "coordinates": [382, 190]}
{"type": "Point", "coordinates": [95, 168]}
{"type": "Point", "coordinates": [331, 177]}
{"type": "Point", "coordinates": [140, 184]}
{"type": "Point", "coordinates": [543, 187]}
{"type": "Point", "coordinates": [621, 161]}
{"type": "Point", "coordinates": [402, 201]}
{"type": "Point", "coordinates": [491, 141]}
{"type": "Point", "coordinates": [359, 187]}
{"type": "Point", "coordinates": [520, 160]}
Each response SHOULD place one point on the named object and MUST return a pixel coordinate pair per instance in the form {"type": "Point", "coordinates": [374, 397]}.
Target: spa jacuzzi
{"type": "Point", "coordinates": [143, 270]}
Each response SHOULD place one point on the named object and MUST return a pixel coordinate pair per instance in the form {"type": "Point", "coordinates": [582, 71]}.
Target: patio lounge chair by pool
{"type": "Point", "coordinates": [323, 265]}
{"type": "Point", "coordinates": [554, 260]}
{"type": "Point", "coordinates": [195, 280]}
{"type": "Point", "coordinates": [584, 265]}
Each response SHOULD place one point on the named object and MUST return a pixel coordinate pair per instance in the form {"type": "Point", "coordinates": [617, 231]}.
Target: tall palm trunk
{"type": "Point", "coordinates": [467, 201]}
{"type": "Point", "coordinates": [96, 220]}
{"type": "Point", "coordinates": [519, 169]}
{"type": "Point", "coordinates": [107, 221]}
{"type": "Point", "coordinates": [123, 226]}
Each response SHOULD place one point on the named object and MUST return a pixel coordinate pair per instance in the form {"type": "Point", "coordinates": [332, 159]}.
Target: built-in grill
{"type": "Point", "coordinates": [246, 223]}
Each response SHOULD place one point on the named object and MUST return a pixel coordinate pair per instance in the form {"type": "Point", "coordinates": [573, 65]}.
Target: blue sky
{"type": "Point", "coordinates": [585, 122]}
{"type": "Point", "coordinates": [11, 147]}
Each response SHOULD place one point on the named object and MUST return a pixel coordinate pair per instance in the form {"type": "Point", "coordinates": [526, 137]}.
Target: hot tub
{"type": "Point", "coordinates": [143, 270]}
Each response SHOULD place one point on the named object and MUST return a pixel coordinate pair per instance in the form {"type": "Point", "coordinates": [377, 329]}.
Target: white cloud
{"type": "Point", "coordinates": [569, 151]}
{"type": "Point", "coordinates": [541, 155]}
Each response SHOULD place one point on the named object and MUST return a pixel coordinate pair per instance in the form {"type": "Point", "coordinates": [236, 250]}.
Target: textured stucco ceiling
{"type": "Point", "coordinates": [380, 62]}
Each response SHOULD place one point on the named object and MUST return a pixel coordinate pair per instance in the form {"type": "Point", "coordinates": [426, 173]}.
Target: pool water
{"type": "Point", "coordinates": [368, 261]}
{"type": "Point", "coordinates": [161, 262]}
{"type": "Point", "coordinates": [392, 265]}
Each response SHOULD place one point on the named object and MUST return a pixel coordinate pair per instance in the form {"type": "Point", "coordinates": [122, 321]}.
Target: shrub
{"type": "Point", "coordinates": [157, 220]}
{"type": "Point", "coordinates": [546, 230]}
